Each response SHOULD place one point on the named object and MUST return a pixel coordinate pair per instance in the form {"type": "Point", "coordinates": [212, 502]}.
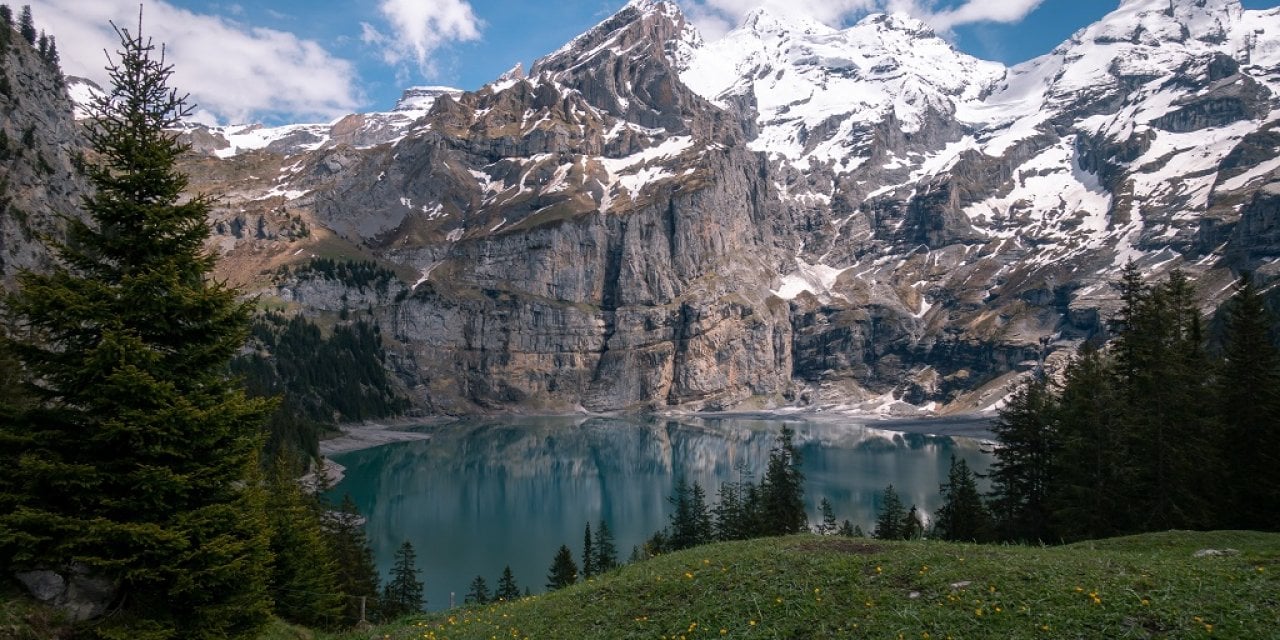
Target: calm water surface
{"type": "Point", "coordinates": [482, 494]}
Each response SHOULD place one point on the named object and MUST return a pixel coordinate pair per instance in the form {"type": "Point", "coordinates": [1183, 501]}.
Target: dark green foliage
{"type": "Point", "coordinates": [963, 517]}
{"type": "Point", "coordinates": [1248, 401]}
{"type": "Point", "coordinates": [304, 576]}
{"type": "Point", "coordinates": [6, 16]}
{"type": "Point", "coordinates": [734, 515]}
{"type": "Point", "coordinates": [322, 380]}
{"type": "Point", "coordinates": [42, 46]}
{"type": "Point", "coordinates": [507, 590]}
{"type": "Point", "coordinates": [1169, 421]}
{"type": "Point", "coordinates": [782, 489]}
{"type": "Point", "coordinates": [1090, 467]}
{"type": "Point", "coordinates": [357, 574]}
{"type": "Point", "coordinates": [1154, 434]}
{"type": "Point", "coordinates": [478, 594]}
{"type": "Point", "coordinates": [846, 529]}
{"type": "Point", "coordinates": [1020, 473]}
{"type": "Point", "coordinates": [29, 137]}
{"type": "Point", "coordinates": [52, 58]}
{"type": "Point", "coordinates": [6, 90]}
{"type": "Point", "coordinates": [403, 594]}
{"type": "Point", "coordinates": [890, 517]}
{"type": "Point", "coordinates": [137, 454]}
{"type": "Point", "coordinates": [564, 571]}
{"type": "Point", "coordinates": [588, 554]}
{"type": "Point", "coordinates": [358, 274]}
{"type": "Point", "coordinates": [606, 558]}
{"type": "Point", "coordinates": [27, 25]}
{"type": "Point", "coordinates": [828, 525]}
{"type": "Point", "coordinates": [691, 521]}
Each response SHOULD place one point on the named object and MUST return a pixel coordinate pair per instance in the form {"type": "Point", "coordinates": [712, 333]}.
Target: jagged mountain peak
{"type": "Point", "coordinates": [420, 99]}
{"type": "Point", "coordinates": [816, 90]}
{"type": "Point", "coordinates": [639, 28]}
{"type": "Point", "coordinates": [763, 21]}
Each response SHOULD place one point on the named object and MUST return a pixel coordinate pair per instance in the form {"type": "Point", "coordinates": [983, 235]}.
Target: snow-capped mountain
{"type": "Point", "coordinates": [819, 92]}
{"type": "Point", "coordinates": [794, 214]}
{"type": "Point", "coordinates": [356, 130]}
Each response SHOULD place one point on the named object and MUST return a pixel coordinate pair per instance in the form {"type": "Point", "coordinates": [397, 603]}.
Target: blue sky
{"type": "Point", "coordinates": [280, 61]}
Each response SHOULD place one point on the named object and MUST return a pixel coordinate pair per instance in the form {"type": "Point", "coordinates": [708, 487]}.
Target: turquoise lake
{"type": "Point", "coordinates": [485, 493]}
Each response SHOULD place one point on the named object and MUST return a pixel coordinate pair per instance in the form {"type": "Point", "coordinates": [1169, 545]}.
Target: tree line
{"type": "Point", "coordinates": [321, 380]}
{"type": "Point", "coordinates": [1164, 428]}
{"type": "Point", "coordinates": [46, 46]}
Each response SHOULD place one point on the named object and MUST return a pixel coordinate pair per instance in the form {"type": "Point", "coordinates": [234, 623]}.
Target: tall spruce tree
{"type": "Point", "coordinates": [1091, 467]}
{"type": "Point", "coordinates": [508, 590]}
{"type": "Point", "coordinates": [357, 573]}
{"type": "Point", "coordinates": [1248, 398]}
{"type": "Point", "coordinates": [588, 554]}
{"type": "Point", "coordinates": [304, 576]}
{"type": "Point", "coordinates": [829, 526]}
{"type": "Point", "coordinates": [890, 517]}
{"type": "Point", "coordinates": [691, 520]}
{"type": "Point", "coordinates": [27, 25]}
{"type": "Point", "coordinates": [564, 571]}
{"type": "Point", "coordinates": [403, 594]}
{"type": "Point", "coordinates": [782, 489]}
{"type": "Point", "coordinates": [606, 550]}
{"type": "Point", "coordinates": [963, 516]}
{"type": "Point", "coordinates": [1021, 473]}
{"type": "Point", "coordinates": [478, 593]}
{"type": "Point", "coordinates": [136, 458]}
{"type": "Point", "coordinates": [1165, 378]}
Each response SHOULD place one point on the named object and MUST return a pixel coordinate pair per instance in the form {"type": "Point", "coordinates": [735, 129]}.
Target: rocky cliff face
{"type": "Point", "coordinates": [41, 150]}
{"type": "Point", "coordinates": [794, 215]}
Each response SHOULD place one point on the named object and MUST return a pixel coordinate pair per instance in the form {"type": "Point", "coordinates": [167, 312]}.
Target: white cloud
{"type": "Point", "coordinates": [716, 17]}
{"type": "Point", "coordinates": [234, 72]}
{"type": "Point", "coordinates": [420, 28]}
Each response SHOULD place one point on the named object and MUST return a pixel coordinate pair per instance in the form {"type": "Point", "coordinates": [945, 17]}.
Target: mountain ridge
{"type": "Point", "coordinates": [858, 218]}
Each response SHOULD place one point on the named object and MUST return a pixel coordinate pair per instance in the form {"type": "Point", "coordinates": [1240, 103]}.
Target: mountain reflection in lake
{"type": "Point", "coordinates": [482, 494]}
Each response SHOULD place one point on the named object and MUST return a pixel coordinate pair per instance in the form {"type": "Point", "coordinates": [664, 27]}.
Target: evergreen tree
{"type": "Point", "coordinates": [27, 25]}
{"type": "Point", "coordinates": [42, 46]}
{"type": "Point", "coordinates": [846, 529]}
{"type": "Point", "coordinates": [1091, 466]}
{"type": "Point", "coordinates": [828, 526]}
{"type": "Point", "coordinates": [564, 571]}
{"type": "Point", "coordinates": [53, 57]}
{"type": "Point", "coordinates": [1248, 398]}
{"type": "Point", "coordinates": [890, 517]}
{"type": "Point", "coordinates": [304, 577]}
{"type": "Point", "coordinates": [782, 489]}
{"type": "Point", "coordinates": [606, 552]}
{"type": "Point", "coordinates": [912, 525]}
{"type": "Point", "coordinates": [357, 573]}
{"type": "Point", "coordinates": [507, 590]}
{"type": "Point", "coordinates": [6, 16]}
{"type": "Point", "coordinates": [588, 554]}
{"type": "Point", "coordinates": [691, 521]}
{"type": "Point", "coordinates": [963, 516]}
{"type": "Point", "coordinates": [1020, 474]}
{"type": "Point", "coordinates": [403, 594]}
{"type": "Point", "coordinates": [858, 533]}
{"type": "Point", "coordinates": [479, 593]}
{"type": "Point", "coordinates": [734, 516]}
{"type": "Point", "coordinates": [1168, 424]}
{"type": "Point", "coordinates": [137, 456]}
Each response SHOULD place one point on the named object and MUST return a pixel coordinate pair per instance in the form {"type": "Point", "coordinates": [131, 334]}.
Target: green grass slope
{"type": "Point", "coordinates": [1148, 586]}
